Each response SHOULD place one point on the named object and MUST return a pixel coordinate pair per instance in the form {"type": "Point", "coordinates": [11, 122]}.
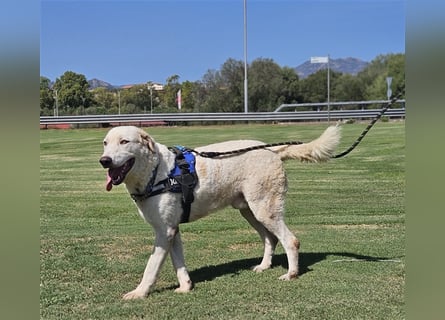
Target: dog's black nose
{"type": "Point", "coordinates": [106, 162]}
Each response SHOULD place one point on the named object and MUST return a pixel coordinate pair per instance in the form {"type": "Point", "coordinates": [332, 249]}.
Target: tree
{"type": "Point", "coordinates": [104, 101]}
{"type": "Point", "coordinates": [314, 88]}
{"type": "Point", "coordinates": [290, 91]}
{"type": "Point", "coordinates": [135, 99]}
{"type": "Point", "coordinates": [265, 85]}
{"type": "Point", "coordinates": [187, 96]}
{"type": "Point", "coordinates": [213, 92]}
{"type": "Point", "coordinates": [347, 88]}
{"type": "Point", "coordinates": [72, 92]}
{"type": "Point", "coordinates": [373, 78]}
{"type": "Point", "coordinates": [269, 86]}
{"type": "Point", "coordinates": [232, 85]}
{"type": "Point", "coordinates": [47, 100]}
{"type": "Point", "coordinates": [223, 89]}
{"type": "Point", "coordinates": [169, 95]}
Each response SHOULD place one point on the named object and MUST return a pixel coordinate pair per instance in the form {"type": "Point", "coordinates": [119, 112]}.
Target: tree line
{"type": "Point", "coordinates": [269, 85]}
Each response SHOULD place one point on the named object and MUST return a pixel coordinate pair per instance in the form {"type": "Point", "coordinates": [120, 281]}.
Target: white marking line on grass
{"type": "Point", "coordinates": [368, 260]}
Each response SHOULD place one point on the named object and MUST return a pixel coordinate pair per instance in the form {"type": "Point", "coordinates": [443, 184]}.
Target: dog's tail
{"type": "Point", "coordinates": [318, 150]}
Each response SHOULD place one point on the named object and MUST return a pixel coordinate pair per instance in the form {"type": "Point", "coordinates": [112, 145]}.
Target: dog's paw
{"type": "Point", "coordinates": [260, 268]}
{"type": "Point", "coordinates": [185, 287]}
{"type": "Point", "coordinates": [288, 276]}
{"type": "Point", "coordinates": [135, 294]}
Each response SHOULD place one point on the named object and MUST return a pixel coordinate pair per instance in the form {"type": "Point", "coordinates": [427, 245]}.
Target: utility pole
{"type": "Point", "coordinates": [150, 87]}
{"type": "Point", "coordinates": [325, 60]}
{"type": "Point", "coordinates": [56, 113]}
{"type": "Point", "coordinates": [245, 59]}
{"type": "Point", "coordinates": [119, 101]}
{"type": "Point", "coordinates": [329, 93]}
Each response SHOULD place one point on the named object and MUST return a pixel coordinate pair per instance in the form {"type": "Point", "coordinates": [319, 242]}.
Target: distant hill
{"type": "Point", "coordinates": [343, 65]}
{"type": "Point", "coordinates": [96, 83]}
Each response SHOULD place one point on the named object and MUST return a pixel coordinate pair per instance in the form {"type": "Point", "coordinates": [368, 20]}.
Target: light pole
{"type": "Point", "coordinates": [150, 87]}
{"type": "Point", "coordinates": [56, 110]}
{"type": "Point", "coordinates": [245, 58]}
{"type": "Point", "coordinates": [141, 91]}
{"type": "Point", "coordinates": [329, 94]}
{"type": "Point", "coordinates": [119, 101]}
{"type": "Point", "coordinates": [82, 111]}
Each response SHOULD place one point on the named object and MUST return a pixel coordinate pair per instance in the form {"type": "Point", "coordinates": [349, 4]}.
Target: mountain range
{"type": "Point", "coordinates": [343, 65]}
{"type": "Point", "coordinates": [96, 83]}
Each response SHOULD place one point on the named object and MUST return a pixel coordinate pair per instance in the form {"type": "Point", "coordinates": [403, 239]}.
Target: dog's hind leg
{"type": "Point", "coordinates": [177, 256]}
{"type": "Point", "coordinates": [291, 245]}
{"type": "Point", "coordinates": [269, 240]}
{"type": "Point", "coordinates": [269, 213]}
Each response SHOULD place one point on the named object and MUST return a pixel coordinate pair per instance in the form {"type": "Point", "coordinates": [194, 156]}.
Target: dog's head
{"type": "Point", "coordinates": [125, 148]}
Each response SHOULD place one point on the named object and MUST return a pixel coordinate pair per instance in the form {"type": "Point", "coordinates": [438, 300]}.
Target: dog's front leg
{"type": "Point", "coordinates": [177, 256]}
{"type": "Point", "coordinates": [157, 258]}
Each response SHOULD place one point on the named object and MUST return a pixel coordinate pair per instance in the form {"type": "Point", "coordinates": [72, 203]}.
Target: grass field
{"type": "Point", "coordinates": [348, 214]}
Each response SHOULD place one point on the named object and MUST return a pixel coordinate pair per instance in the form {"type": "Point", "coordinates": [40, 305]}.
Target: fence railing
{"type": "Point", "coordinates": [337, 104]}
{"type": "Point", "coordinates": [172, 118]}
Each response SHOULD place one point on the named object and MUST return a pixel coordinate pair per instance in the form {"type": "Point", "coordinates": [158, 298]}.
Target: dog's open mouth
{"type": "Point", "coordinates": [116, 176]}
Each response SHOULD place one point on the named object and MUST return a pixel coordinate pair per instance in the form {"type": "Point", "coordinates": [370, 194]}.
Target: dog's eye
{"type": "Point", "coordinates": [123, 141]}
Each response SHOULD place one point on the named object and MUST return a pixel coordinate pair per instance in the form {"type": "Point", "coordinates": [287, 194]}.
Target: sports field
{"type": "Point", "coordinates": [348, 214]}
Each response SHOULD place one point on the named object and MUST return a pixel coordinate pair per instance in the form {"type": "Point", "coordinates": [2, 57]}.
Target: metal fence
{"type": "Point", "coordinates": [338, 105]}
{"type": "Point", "coordinates": [173, 118]}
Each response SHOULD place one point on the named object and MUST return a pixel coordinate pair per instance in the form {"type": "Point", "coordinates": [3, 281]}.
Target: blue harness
{"type": "Point", "coordinates": [182, 179]}
{"type": "Point", "coordinates": [184, 165]}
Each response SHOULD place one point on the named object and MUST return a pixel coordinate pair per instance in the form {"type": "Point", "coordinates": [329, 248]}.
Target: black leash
{"type": "Point", "coordinates": [210, 154]}
{"type": "Point", "coordinates": [370, 125]}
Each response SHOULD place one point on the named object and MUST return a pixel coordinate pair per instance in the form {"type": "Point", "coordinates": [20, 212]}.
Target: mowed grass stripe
{"type": "Point", "coordinates": [94, 245]}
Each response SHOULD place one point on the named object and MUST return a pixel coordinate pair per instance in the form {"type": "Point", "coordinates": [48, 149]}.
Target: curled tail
{"type": "Point", "coordinates": [318, 150]}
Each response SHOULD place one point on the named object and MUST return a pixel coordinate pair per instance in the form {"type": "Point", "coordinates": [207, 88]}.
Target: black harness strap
{"type": "Point", "coordinates": [187, 180]}
{"type": "Point", "coordinates": [148, 192]}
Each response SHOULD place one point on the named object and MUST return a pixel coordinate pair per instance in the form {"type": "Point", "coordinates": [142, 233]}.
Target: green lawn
{"type": "Point", "coordinates": [348, 214]}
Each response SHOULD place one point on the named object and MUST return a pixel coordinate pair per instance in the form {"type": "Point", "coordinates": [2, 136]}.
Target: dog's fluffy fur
{"type": "Point", "coordinates": [253, 182]}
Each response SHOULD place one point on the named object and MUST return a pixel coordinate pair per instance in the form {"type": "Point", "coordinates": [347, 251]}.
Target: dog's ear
{"type": "Point", "coordinates": [148, 141]}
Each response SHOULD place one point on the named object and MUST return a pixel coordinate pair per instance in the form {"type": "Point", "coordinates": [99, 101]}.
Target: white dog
{"type": "Point", "coordinates": [253, 182]}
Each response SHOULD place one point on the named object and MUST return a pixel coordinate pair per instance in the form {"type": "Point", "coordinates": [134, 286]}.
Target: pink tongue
{"type": "Point", "coordinates": [109, 185]}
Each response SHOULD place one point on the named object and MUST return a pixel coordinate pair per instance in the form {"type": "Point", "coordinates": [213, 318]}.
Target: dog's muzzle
{"type": "Point", "coordinates": [106, 162]}
{"type": "Point", "coordinates": [115, 175]}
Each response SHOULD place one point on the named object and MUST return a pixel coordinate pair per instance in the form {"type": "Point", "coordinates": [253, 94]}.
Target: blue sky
{"type": "Point", "coordinates": [125, 42]}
